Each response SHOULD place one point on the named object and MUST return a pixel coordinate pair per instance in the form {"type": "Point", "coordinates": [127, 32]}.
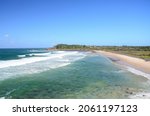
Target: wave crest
{"type": "Point", "coordinates": [29, 65]}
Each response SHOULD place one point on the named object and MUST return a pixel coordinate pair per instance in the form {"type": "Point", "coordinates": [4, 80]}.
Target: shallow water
{"type": "Point", "coordinates": [85, 75]}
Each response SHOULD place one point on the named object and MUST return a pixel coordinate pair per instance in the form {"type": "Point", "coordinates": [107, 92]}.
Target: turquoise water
{"type": "Point", "coordinates": [88, 76]}
{"type": "Point", "coordinates": [11, 54]}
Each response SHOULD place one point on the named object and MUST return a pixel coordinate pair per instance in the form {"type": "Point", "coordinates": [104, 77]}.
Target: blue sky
{"type": "Point", "coordinates": [44, 23]}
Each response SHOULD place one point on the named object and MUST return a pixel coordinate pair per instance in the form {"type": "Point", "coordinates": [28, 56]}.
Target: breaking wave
{"type": "Point", "coordinates": [39, 63]}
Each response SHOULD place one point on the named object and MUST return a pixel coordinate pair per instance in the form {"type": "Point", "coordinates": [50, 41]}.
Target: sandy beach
{"type": "Point", "coordinates": [136, 63]}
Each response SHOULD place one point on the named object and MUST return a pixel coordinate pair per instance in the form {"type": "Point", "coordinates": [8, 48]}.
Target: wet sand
{"type": "Point", "coordinates": [136, 63]}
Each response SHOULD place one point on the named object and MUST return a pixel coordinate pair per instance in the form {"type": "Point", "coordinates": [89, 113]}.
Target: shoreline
{"type": "Point", "coordinates": [134, 65]}
{"type": "Point", "coordinates": [128, 61]}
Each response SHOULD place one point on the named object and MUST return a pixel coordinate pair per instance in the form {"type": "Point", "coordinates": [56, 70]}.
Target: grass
{"type": "Point", "coordinates": [134, 51]}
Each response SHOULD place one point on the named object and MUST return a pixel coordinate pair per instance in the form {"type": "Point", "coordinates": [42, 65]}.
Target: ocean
{"type": "Point", "coordinates": [42, 74]}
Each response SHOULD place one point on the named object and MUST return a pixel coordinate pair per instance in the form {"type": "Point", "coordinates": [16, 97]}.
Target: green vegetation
{"type": "Point", "coordinates": [135, 51]}
{"type": "Point", "coordinates": [71, 47]}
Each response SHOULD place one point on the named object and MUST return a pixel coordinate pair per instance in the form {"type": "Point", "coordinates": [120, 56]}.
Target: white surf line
{"type": "Point", "coordinates": [2, 97]}
{"type": "Point", "coordinates": [4, 64]}
{"type": "Point", "coordinates": [141, 95]}
{"type": "Point", "coordinates": [21, 56]}
{"type": "Point", "coordinates": [130, 68]}
{"type": "Point", "coordinates": [138, 72]}
{"type": "Point", "coordinates": [58, 60]}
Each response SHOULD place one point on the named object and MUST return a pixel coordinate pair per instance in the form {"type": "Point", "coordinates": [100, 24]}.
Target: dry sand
{"type": "Point", "coordinates": [136, 63]}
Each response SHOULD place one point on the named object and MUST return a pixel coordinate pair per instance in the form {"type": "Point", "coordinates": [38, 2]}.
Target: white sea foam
{"type": "Point", "coordinates": [2, 97]}
{"type": "Point", "coordinates": [13, 68]}
{"type": "Point", "coordinates": [21, 56]}
{"type": "Point", "coordinates": [143, 95]}
{"type": "Point", "coordinates": [4, 64]}
{"type": "Point", "coordinates": [30, 54]}
{"type": "Point", "coordinates": [60, 65]}
{"type": "Point", "coordinates": [137, 72]}
{"type": "Point", "coordinates": [58, 52]}
{"type": "Point", "coordinates": [40, 54]}
{"type": "Point", "coordinates": [140, 95]}
{"type": "Point", "coordinates": [34, 54]}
